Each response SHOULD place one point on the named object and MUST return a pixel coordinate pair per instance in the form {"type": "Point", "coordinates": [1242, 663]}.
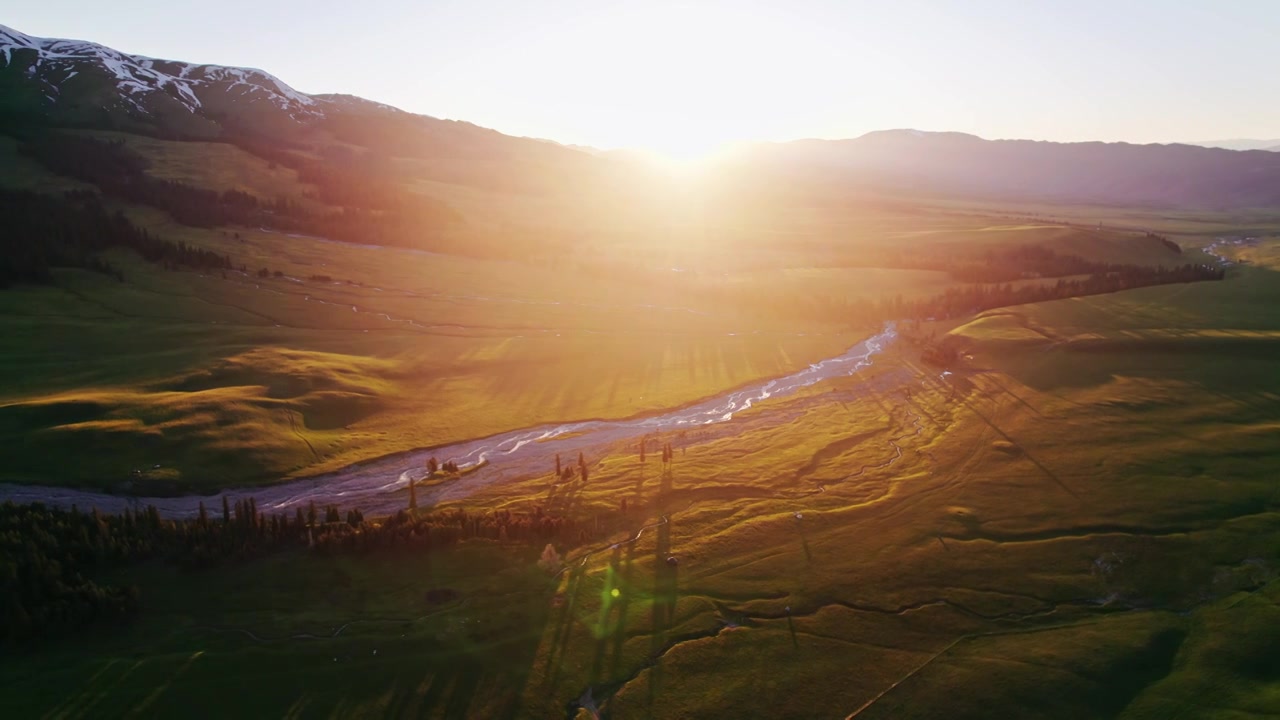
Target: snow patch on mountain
{"type": "Point", "coordinates": [139, 77]}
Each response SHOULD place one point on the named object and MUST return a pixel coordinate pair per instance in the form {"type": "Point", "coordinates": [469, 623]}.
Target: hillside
{"type": "Point", "coordinates": [71, 83]}
{"type": "Point", "coordinates": [956, 164]}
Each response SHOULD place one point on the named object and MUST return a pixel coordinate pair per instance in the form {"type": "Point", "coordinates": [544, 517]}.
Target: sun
{"type": "Point", "coordinates": [680, 84]}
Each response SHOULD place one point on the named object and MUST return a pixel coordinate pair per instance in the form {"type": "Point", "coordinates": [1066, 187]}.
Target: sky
{"type": "Point", "coordinates": [685, 77]}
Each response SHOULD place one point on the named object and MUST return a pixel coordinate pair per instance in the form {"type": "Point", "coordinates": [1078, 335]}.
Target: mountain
{"type": "Point", "coordinates": [1240, 144]}
{"type": "Point", "coordinates": [71, 83]}
{"type": "Point", "coordinates": [83, 83]}
{"type": "Point", "coordinates": [956, 164]}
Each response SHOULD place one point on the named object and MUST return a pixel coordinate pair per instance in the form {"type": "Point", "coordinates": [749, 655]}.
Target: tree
{"type": "Point", "coordinates": [558, 473]}
{"type": "Point", "coordinates": [226, 511]}
{"type": "Point", "coordinates": [311, 514]}
{"type": "Point", "coordinates": [432, 466]}
{"type": "Point", "coordinates": [550, 560]}
{"type": "Point", "coordinates": [413, 496]}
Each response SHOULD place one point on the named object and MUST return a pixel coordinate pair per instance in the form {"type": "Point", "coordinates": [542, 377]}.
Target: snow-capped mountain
{"type": "Point", "coordinates": [71, 80]}
{"type": "Point", "coordinates": [142, 80]}
{"type": "Point", "coordinates": [72, 83]}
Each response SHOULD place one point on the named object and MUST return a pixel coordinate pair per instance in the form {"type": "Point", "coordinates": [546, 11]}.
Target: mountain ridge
{"type": "Point", "coordinates": [70, 83]}
{"type": "Point", "coordinates": [1240, 144]}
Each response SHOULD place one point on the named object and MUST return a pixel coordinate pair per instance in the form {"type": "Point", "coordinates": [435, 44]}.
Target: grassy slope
{"type": "Point", "coordinates": [992, 522]}
{"type": "Point", "coordinates": [216, 166]}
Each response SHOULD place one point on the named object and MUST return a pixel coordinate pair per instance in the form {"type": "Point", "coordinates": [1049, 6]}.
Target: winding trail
{"type": "Point", "coordinates": [377, 487]}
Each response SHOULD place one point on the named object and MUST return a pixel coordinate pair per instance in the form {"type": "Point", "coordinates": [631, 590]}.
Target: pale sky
{"type": "Point", "coordinates": [682, 77]}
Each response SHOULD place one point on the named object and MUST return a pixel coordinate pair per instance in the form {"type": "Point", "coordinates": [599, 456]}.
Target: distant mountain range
{"type": "Point", "coordinates": [957, 164]}
{"type": "Point", "coordinates": [70, 83]}
{"type": "Point", "coordinates": [1241, 144]}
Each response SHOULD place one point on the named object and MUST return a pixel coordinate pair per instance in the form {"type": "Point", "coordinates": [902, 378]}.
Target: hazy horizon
{"type": "Point", "coordinates": [684, 78]}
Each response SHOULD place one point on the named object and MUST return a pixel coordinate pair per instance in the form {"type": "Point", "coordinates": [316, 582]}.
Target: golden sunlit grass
{"type": "Point", "coordinates": [976, 533]}
{"type": "Point", "coordinates": [273, 384]}
{"type": "Point", "coordinates": [443, 348]}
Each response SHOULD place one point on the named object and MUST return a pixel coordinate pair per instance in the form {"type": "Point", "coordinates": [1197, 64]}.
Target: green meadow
{"type": "Point", "coordinates": [1078, 518]}
{"type": "Point", "coordinates": [1078, 521]}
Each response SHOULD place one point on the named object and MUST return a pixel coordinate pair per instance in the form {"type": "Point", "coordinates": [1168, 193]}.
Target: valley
{"type": "Point", "coordinates": [313, 407]}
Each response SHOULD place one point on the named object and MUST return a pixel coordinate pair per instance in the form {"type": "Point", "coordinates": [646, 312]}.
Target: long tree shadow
{"type": "Point", "coordinates": [665, 595]}
{"type": "Point", "coordinates": [609, 594]}
{"type": "Point", "coordinates": [1008, 438]}
{"type": "Point", "coordinates": [562, 630]}
{"type": "Point", "coordinates": [641, 476]}
{"type": "Point", "coordinates": [627, 592]}
{"type": "Point", "coordinates": [804, 539]}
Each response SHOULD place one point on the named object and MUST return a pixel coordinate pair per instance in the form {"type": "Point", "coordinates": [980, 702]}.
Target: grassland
{"type": "Point", "coordinates": [231, 381]}
{"type": "Point", "coordinates": [1078, 520]}
{"type": "Point", "coordinates": [355, 352]}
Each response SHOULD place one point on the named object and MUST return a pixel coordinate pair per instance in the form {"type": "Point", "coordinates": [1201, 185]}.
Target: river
{"type": "Point", "coordinates": [376, 487]}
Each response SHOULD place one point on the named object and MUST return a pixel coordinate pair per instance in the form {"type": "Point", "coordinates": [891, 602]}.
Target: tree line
{"type": "Point", "coordinates": [373, 209]}
{"type": "Point", "coordinates": [369, 208]}
{"type": "Point", "coordinates": [997, 265]}
{"type": "Point", "coordinates": [42, 232]}
{"type": "Point", "coordinates": [971, 299]}
{"type": "Point", "coordinates": [50, 557]}
{"type": "Point", "coordinates": [120, 172]}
